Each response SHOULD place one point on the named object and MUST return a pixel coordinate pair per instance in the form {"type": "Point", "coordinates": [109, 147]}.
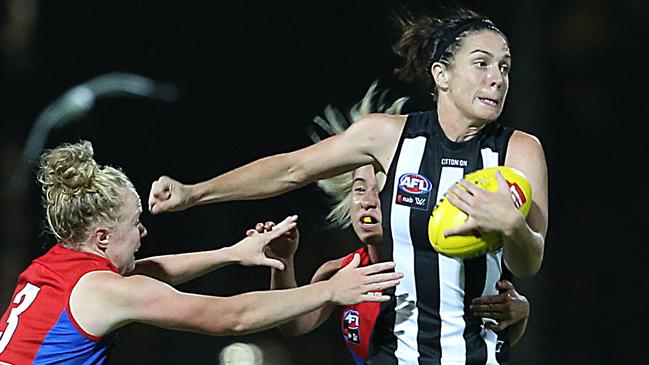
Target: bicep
{"type": "Point", "coordinates": [525, 153]}
{"type": "Point", "coordinates": [370, 140]}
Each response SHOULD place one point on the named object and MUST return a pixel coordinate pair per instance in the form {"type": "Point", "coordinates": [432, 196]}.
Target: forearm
{"type": "Point", "coordinates": [180, 268]}
{"type": "Point", "coordinates": [258, 311]}
{"type": "Point", "coordinates": [523, 249]}
{"type": "Point", "coordinates": [285, 279]}
{"type": "Point", "coordinates": [260, 179]}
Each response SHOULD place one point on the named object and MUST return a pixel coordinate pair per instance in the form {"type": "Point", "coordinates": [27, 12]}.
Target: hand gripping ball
{"type": "Point", "coordinates": [446, 215]}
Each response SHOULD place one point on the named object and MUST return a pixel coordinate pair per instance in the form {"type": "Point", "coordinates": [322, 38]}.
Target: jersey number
{"type": "Point", "coordinates": [24, 299]}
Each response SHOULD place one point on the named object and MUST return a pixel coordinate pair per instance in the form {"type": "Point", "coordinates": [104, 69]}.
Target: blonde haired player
{"type": "Point", "coordinates": [69, 303]}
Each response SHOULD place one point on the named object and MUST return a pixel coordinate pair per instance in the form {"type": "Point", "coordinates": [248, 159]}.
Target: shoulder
{"type": "Point", "coordinates": [524, 149]}
{"type": "Point", "coordinates": [327, 270]}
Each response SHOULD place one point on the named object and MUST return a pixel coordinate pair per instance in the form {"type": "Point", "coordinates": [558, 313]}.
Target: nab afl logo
{"type": "Point", "coordinates": [414, 191]}
{"type": "Point", "coordinates": [414, 184]}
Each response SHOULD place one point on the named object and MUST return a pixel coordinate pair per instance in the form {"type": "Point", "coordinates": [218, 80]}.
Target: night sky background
{"type": "Point", "coordinates": [251, 76]}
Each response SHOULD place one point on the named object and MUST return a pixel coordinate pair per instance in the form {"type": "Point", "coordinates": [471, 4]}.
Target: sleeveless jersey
{"type": "Point", "coordinates": [357, 321]}
{"type": "Point", "coordinates": [428, 321]}
{"type": "Point", "coordinates": [38, 327]}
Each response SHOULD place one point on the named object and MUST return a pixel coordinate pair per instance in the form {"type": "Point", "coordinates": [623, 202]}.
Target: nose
{"type": "Point", "coordinates": [370, 200]}
{"type": "Point", "coordinates": [496, 78]}
{"type": "Point", "coordinates": [143, 231]}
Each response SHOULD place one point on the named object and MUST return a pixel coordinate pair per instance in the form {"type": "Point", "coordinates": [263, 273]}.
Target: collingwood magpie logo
{"type": "Point", "coordinates": [414, 191]}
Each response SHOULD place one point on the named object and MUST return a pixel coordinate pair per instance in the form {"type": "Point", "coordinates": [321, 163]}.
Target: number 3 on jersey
{"type": "Point", "coordinates": [24, 299]}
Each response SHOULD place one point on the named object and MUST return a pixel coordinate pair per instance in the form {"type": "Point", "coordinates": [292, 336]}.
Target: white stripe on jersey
{"type": "Point", "coordinates": [451, 288]}
{"type": "Point", "coordinates": [489, 158]}
{"type": "Point", "coordinates": [494, 268]}
{"type": "Point", "coordinates": [405, 328]}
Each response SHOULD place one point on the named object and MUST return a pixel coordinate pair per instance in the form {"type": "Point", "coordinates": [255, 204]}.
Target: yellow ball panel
{"type": "Point", "coordinates": [445, 215]}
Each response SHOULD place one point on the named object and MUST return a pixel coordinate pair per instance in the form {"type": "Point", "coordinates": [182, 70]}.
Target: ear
{"type": "Point", "coordinates": [100, 238]}
{"type": "Point", "coordinates": [440, 75]}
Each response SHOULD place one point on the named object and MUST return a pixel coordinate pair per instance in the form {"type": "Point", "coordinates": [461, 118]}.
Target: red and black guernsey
{"type": "Point", "coordinates": [428, 321]}
{"type": "Point", "coordinates": [357, 321]}
{"type": "Point", "coordinates": [38, 327]}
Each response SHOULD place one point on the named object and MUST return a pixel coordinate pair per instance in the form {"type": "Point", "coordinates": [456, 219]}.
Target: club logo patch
{"type": "Point", "coordinates": [351, 326]}
{"type": "Point", "coordinates": [414, 191]}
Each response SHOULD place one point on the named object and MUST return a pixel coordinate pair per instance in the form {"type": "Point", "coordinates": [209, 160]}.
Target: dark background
{"type": "Point", "coordinates": [253, 74]}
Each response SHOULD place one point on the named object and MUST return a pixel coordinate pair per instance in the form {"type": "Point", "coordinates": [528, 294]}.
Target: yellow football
{"type": "Point", "coordinates": [446, 215]}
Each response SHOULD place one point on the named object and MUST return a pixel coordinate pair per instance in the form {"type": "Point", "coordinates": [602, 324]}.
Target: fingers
{"type": "Point", "coordinates": [493, 310]}
{"type": "Point", "coordinates": [504, 285]}
{"type": "Point", "coordinates": [460, 198]}
{"type": "Point", "coordinates": [489, 299]}
{"type": "Point", "coordinates": [502, 182]}
{"type": "Point", "coordinates": [356, 260]}
{"type": "Point", "coordinates": [250, 232]}
{"type": "Point", "coordinates": [374, 281]}
{"type": "Point", "coordinates": [275, 264]}
{"type": "Point", "coordinates": [374, 298]}
{"type": "Point", "coordinates": [371, 269]}
{"type": "Point", "coordinates": [160, 193]}
{"type": "Point", "coordinates": [465, 229]}
{"type": "Point", "coordinates": [284, 226]}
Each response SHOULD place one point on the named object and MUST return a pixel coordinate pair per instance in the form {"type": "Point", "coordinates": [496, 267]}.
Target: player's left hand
{"type": "Point", "coordinates": [506, 308]}
{"type": "Point", "coordinates": [284, 246]}
{"type": "Point", "coordinates": [251, 251]}
{"type": "Point", "coordinates": [488, 211]}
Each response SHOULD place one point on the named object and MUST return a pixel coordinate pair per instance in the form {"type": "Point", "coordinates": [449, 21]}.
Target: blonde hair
{"type": "Point", "coordinates": [79, 194]}
{"type": "Point", "coordinates": [335, 122]}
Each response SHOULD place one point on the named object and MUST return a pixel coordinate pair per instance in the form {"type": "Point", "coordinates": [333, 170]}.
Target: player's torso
{"type": "Point", "coordinates": [37, 327]}
{"type": "Point", "coordinates": [427, 322]}
{"type": "Point", "coordinates": [357, 321]}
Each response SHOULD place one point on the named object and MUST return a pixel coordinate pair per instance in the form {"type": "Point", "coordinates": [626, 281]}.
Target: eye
{"type": "Point", "coordinates": [504, 68]}
{"type": "Point", "coordinates": [480, 64]}
{"type": "Point", "coordinates": [359, 189]}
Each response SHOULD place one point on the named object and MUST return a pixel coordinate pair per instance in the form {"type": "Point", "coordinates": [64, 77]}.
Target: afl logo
{"type": "Point", "coordinates": [414, 184]}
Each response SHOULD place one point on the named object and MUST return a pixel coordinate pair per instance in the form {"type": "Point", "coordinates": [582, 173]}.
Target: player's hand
{"type": "Point", "coordinates": [353, 284]}
{"type": "Point", "coordinates": [488, 211]}
{"type": "Point", "coordinates": [251, 251]}
{"type": "Point", "coordinates": [506, 308]}
{"type": "Point", "coordinates": [169, 195]}
{"type": "Point", "coordinates": [282, 247]}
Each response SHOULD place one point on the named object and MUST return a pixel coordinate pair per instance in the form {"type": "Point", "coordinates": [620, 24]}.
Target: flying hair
{"type": "Point", "coordinates": [335, 122]}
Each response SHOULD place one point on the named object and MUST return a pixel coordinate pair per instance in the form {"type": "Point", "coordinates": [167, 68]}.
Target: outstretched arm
{"type": "Point", "coordinates": [283, 248]}
{"type": "Point", "coordinates": [370, 140]}
{"type": "Point", "coordinates": [311, 320]}
{"type": "Point", "coordinates": [138, 298]}
{"type": "Point", "coordinates": [177, 269]}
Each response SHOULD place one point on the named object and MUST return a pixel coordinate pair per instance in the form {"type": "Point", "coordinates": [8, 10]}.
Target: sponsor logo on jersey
{"type": "Point", "coordinates": [414, 191]}
{"type": "Point", "coordinates": [351, 326]}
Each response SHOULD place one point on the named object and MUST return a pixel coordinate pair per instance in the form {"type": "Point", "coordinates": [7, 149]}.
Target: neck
{"type": "Point", "coordinates": [374, 251]}
{"type": "Point", "coordinates": [456, 126]}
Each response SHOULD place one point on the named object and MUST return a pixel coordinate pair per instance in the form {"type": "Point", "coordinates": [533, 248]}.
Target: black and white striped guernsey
{"type": "Point", "coordinates": [429, 321]}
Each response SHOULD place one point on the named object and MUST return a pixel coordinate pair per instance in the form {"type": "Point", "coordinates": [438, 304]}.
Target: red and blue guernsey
{"type": "Point", "coordinates": [38, 328]}
{"type": "Point", "coordinates": [358, 320]}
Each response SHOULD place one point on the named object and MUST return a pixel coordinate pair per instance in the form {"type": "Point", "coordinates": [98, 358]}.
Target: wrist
{"type": "Point", "coordinates": [229, 255]}
{"type": "Point", "coordinates": [515, 226]}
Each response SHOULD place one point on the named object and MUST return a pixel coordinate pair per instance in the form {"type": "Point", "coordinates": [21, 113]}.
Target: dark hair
{"type": "Point", "coordinates": [426, 39]}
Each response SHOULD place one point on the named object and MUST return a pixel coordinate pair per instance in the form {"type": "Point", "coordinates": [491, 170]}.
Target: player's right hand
{"type": "Point", "coordinates": [284, 246]}
{"type": "Point", "coordinates": [168, 195]}
{"type": "Point", "coordinates": [352, 284]}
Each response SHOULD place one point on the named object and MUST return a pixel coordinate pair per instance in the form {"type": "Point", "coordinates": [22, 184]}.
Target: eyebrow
{"type": "Point", "coordinates": [360, 179]}
{"type": "Point", "coordinates": [507, 55]}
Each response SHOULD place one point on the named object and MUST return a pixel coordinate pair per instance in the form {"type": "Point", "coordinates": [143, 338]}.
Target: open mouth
{"type": "Point", "coordinates": [489, 101]}
{"type": "Point", "coordinates": [368, 221]}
